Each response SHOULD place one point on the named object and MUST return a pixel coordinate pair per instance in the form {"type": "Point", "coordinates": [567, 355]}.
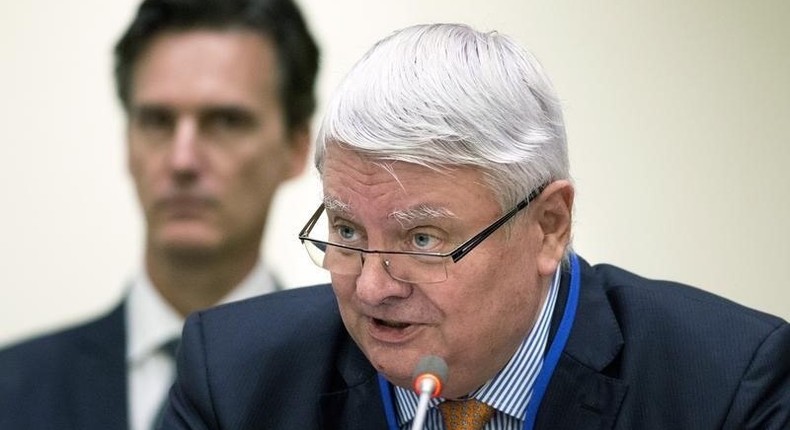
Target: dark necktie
{"type": "Point", "coordinates": [169, 348]}
{"type": "Point", "coordinates": [468, 414]}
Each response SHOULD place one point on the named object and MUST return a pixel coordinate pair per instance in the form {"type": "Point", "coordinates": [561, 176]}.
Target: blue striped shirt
{"type": "Point", "coordinates": [509, 391]}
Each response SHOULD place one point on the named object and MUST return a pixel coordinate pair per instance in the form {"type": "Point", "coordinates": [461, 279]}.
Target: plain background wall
{"type": "Point", "coordinates": [678, 117]}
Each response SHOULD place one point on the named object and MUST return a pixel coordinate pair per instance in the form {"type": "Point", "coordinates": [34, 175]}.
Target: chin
{"type": "Point", "coordinates": [394, 363]}
{"type": "Point", "coordinates": [396, 371]}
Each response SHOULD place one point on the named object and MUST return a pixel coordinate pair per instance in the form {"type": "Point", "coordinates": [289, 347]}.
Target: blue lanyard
{"type": "Point", "coordinates": [549, 362]}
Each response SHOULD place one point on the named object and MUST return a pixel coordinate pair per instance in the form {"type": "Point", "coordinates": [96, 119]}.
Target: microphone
{"type": "Point", "coordinates": [429, 375]}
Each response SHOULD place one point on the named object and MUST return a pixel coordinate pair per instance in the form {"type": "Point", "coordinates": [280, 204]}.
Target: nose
{"type": "Point", "coordinates": [184, 156]}
{"type": "Point", "coordinates": [375, 286]}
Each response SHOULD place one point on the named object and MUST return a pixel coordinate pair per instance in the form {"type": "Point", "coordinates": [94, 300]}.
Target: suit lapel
{"type": "Point", "coordinates": [580, 393]}
{"type": "Point", "coordinates": [357, 403]}
{"type": "Point", "coordinates": [100, 400]}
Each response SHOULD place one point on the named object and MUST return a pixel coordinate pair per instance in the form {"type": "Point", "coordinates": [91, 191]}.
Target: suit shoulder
{"type": "Point", "coordinates": [46, 352]}
{"type": "Point", "coordinates": [296, 302]}
{"type": "Point", "coordinates": [674, 345]}
{"type": "Point", "coordinates": [667, 299]}
{"type": "Point", "coordinates": [293, 329]}
{"type": "Point", "coordinates": [297, 314]}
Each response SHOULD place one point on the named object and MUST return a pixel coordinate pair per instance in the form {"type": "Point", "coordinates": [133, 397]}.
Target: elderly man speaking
{"type": "Point", "coordinates": [445, 225]}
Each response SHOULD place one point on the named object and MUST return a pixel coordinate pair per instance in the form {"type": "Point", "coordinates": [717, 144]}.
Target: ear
{"type": "Point", "coordinates": [299, 147]}
{"type": "Point", "coordinates": [553, 211]}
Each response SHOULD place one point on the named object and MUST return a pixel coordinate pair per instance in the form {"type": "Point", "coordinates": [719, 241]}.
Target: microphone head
{"type": "Point", "coordinates": [431, 370]}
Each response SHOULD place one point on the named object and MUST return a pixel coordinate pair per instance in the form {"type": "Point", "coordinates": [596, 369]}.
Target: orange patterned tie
{"type": "Point", "coordinates": [465, 414]}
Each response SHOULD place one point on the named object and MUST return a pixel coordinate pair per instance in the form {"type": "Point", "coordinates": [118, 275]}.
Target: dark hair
{"type": "Point", "coordinates": [278, 20]}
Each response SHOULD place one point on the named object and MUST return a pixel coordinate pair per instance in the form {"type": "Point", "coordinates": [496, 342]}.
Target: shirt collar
{"type": "Point", "coordinates": [151, 321]}
{"type": "Point", "coordinates": [510, 390]}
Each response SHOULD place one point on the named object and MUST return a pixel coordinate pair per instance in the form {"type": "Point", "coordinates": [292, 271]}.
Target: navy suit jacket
{"type": "Point", "coordinates": [72, 379]}
{"type": "Point", "coordinates": [642, 354]}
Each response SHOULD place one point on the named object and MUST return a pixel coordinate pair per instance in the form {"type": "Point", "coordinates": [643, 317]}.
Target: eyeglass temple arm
{"type": "Point", "coordinates": [311, 222]}
{"type": "Point", "coordinates": [473, 242]}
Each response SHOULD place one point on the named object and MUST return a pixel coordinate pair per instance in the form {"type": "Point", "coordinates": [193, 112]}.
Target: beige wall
{"type": "Point", "coordinates": [677, 117]}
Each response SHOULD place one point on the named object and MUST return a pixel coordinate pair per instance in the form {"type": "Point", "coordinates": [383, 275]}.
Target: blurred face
{"type": "Point", "coordinates": [475, 319]}
{"type": "Point", "coordinates": [207, 140]}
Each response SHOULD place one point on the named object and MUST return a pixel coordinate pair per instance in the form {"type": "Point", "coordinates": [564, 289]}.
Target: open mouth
{"type": "Point", "coordinates": [390, 324]}
{"type": "Point", "coordinates": [392, 331]}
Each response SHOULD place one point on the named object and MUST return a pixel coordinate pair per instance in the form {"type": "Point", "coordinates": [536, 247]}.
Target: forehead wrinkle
{"type": "Point", "coordinates": [389, 167]}
{"type": "Point", "coordinates": [419, 213]}
{"type": "Point", "coordinates": [406, 217]}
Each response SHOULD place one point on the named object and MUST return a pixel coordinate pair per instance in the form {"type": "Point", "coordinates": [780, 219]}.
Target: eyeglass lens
{"type": "Point", "coordinates": [403, 267]}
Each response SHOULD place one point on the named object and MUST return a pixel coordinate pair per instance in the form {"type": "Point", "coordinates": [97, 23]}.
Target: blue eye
{"type": "Point", "coordinates": [346, 233]}
{"type": "Point", "coordinates": [424, 242]}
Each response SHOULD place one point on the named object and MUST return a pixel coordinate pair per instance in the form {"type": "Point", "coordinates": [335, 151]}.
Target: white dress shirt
{"type": "Point", "coordinates": [151, 322]}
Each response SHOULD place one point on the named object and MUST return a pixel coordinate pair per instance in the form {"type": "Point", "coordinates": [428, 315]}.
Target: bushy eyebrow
{"type": "Point", "coordinates": [332, 203]}
{"type": "Point", "coordinates": [420, 213]}
{"type": "Point", "coordinates": [404, 217]}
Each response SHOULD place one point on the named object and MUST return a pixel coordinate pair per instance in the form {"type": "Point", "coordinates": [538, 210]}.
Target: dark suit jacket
{"type": "Point", "coordinates": [642, 354]}
{"type": "Point", "coordinates": [73, 379]}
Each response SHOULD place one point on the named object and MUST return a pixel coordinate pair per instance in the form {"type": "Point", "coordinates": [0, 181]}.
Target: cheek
{"type": "Point", "coordinates": [135, 160]}
{"type": "Point", "coordinates": [344, 286]}
{"type": "Point", "coordinates": [495, 287]}
{"type": "Point", "coordinates": [143, 168]}
{"type": "Point", "coordinates": [260, 172]}
{"type": "Point", "coordinates": [489, 324]}
{"type": "Point", "coordinates": [239, 179]}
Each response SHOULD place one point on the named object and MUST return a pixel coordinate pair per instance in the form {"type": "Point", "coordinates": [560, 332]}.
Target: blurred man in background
{"type": "Point", "coordinates": [218, 96]}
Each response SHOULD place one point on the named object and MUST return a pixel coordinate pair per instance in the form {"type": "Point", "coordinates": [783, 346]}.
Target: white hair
{"type": "Point", "coordinates": [445, 95]}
